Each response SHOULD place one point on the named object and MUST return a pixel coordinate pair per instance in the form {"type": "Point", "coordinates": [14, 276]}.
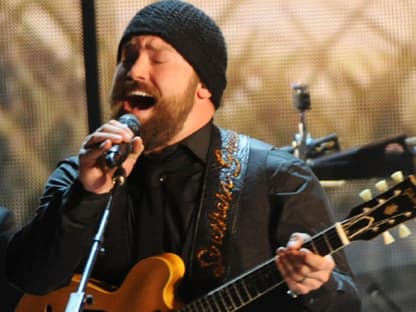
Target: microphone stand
{"type": "Point", "coordinates": [302, 102]}
{"type": "Point", "coordinates": [301, 138]}
{"type": "Point", "coordinates": [78, 298]}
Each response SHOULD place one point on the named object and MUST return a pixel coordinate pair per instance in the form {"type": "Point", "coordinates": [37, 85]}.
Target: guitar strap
{"type": "Point", "coordinates": [223, 183]}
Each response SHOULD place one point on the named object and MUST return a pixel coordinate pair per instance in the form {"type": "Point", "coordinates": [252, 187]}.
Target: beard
{"type": "Point", "coordinates": [168, 116]}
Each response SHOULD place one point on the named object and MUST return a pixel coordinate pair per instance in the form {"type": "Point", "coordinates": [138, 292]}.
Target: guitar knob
{"type": "Point", "coordinates": [404, 231]}
{"type": "Point", "coordinates": [388, 238]}
{"type": "Point", "coordinates": [89, 299]}
{"type": "Point", "coordinates": [397, 176]}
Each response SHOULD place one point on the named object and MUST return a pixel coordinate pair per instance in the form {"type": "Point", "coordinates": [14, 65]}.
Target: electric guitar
{"type": "Point", "coordinates": [150, 285]}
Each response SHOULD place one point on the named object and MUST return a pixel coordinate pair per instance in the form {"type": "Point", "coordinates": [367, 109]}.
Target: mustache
{"type": "Point", "coordinates": [122, 89]}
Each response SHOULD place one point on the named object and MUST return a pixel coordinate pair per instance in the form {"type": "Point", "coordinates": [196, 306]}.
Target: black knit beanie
{"type": "Point", "coordinates": [192, 33]}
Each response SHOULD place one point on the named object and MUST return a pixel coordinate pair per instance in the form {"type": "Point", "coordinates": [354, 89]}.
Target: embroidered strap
{"type": "Point", "coordinates": [220, 204]}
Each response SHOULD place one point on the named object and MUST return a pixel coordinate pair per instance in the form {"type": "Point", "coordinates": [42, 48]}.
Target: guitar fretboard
{"type": "Point", "coordinates": [253, 284]}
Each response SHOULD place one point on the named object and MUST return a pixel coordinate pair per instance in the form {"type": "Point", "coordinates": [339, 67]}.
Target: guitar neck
{"type": "Point", "coordinates": [255, 283]}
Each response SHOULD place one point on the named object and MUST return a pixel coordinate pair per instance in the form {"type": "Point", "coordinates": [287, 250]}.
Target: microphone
{"type": "Point", "coordinates": [117, 154]}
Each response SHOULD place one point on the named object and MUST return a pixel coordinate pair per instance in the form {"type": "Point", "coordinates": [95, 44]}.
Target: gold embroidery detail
{"type": "Point", "coordinates": [230, 169]}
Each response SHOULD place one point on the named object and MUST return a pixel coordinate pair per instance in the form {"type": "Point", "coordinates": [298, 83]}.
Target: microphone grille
{"type": "Point", "coordinates": [132, 122]}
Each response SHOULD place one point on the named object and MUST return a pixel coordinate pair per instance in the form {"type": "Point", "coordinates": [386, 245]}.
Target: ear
{"type": "Point", "coordinates": [202, 92]}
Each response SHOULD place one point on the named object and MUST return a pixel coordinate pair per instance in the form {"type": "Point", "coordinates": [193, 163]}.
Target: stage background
{"type": "Point", "coordinates": [358, 59]}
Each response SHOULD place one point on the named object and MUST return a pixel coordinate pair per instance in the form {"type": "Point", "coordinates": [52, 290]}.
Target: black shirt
{"type": "Point", "coordinates": [168, 187]}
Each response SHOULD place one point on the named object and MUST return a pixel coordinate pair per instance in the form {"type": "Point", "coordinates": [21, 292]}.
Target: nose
{"type": "Point", "coordinates": [139, 71]}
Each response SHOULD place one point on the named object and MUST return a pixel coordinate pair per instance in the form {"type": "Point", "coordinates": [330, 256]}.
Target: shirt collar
{"type": "Point", "coordinates": [198, 142]}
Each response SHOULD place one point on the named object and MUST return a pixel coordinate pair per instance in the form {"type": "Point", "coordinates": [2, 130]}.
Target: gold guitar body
{"type": "Point", "coordinates": [149, 287]}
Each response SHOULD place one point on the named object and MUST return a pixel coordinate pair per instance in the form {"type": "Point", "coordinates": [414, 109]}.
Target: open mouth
{"type": "Point", "coordinates": [141, 100]}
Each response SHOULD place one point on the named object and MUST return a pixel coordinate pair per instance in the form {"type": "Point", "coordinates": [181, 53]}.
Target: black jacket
{"type": "Point", "coordinates": [276, 196]}
{"type": "Point", "coordinates": [9, 295]}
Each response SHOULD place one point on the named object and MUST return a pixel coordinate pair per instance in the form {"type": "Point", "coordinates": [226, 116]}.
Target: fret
{"type": "Point", "coordinates": [187, 307]}
{"type": "Point", "coordinates": [321, 246]}
{"type": "Point", "coordinates": [328, 244]}
{"type": "Point", "coordinates": [200, 305]}
{"type": "Point", "coordinates": [261, 281]}
{"type": "Point", "coordinates": [216, 297]}
{"type": "Point", "coordinates": [247, 292]}
{"type": "Point", "coordinates": [216, 303]}
{"type": "Point", "coordinates": [224, 301]}
{"type": "Point", "coordinates": [251, 287]}
{"type": "Point", "coordinates": [229, 298]}
{"type": "Point", "coordinates": [206, 304]}
{"type": "Point", "coordinates": [244, 293]}
{"type": "Point", "coordinates": [236, 294]}
{"type": "Point", "coordinates": [311, 245]}
{"type": "Point", "coordinates": [336, 241]}
{"type": "Point", "coordinates": [257, 282]}
{"type": "Point", "coordinates": [333, 240]}
{"type": "Point", "coordinates": [325, 243]}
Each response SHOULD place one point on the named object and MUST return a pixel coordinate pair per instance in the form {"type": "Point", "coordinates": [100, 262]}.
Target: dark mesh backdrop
{"type": "Point", "coordinates": [356, 57]}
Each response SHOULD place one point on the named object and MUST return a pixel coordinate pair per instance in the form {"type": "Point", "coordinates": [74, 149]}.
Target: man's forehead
{"type": "Point", "coordinates": [149, 41]}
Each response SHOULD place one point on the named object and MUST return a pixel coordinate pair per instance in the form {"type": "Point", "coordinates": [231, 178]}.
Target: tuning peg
{"type": "Point", "coordinates": [404, 231]}
{"type": "Point", "coordinates": [382, 185]}
{"type": "Point", "coordinates": [388, 238]}
{"type": "Point", "coordinates": [397, 176]}
{"type": "Point", "coordinates": [366, 194]}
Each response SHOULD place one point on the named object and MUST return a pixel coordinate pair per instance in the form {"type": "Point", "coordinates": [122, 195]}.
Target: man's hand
{"type": "Point", "coordinates": [94, 175]}
{"type": "Point", "coordinates": [303, 270]}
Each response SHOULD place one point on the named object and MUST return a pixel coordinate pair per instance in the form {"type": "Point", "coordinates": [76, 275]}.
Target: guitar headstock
{"type": "Point", "coordinates": [389, 209]}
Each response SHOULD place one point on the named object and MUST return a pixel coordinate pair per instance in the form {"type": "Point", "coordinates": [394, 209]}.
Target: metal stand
{"type": "Point", "coordinates": [78, 299]}
{"type": "Point", "coordinates": [302, 102]}
{"type": "Point", "coordinates": [304, 146]}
